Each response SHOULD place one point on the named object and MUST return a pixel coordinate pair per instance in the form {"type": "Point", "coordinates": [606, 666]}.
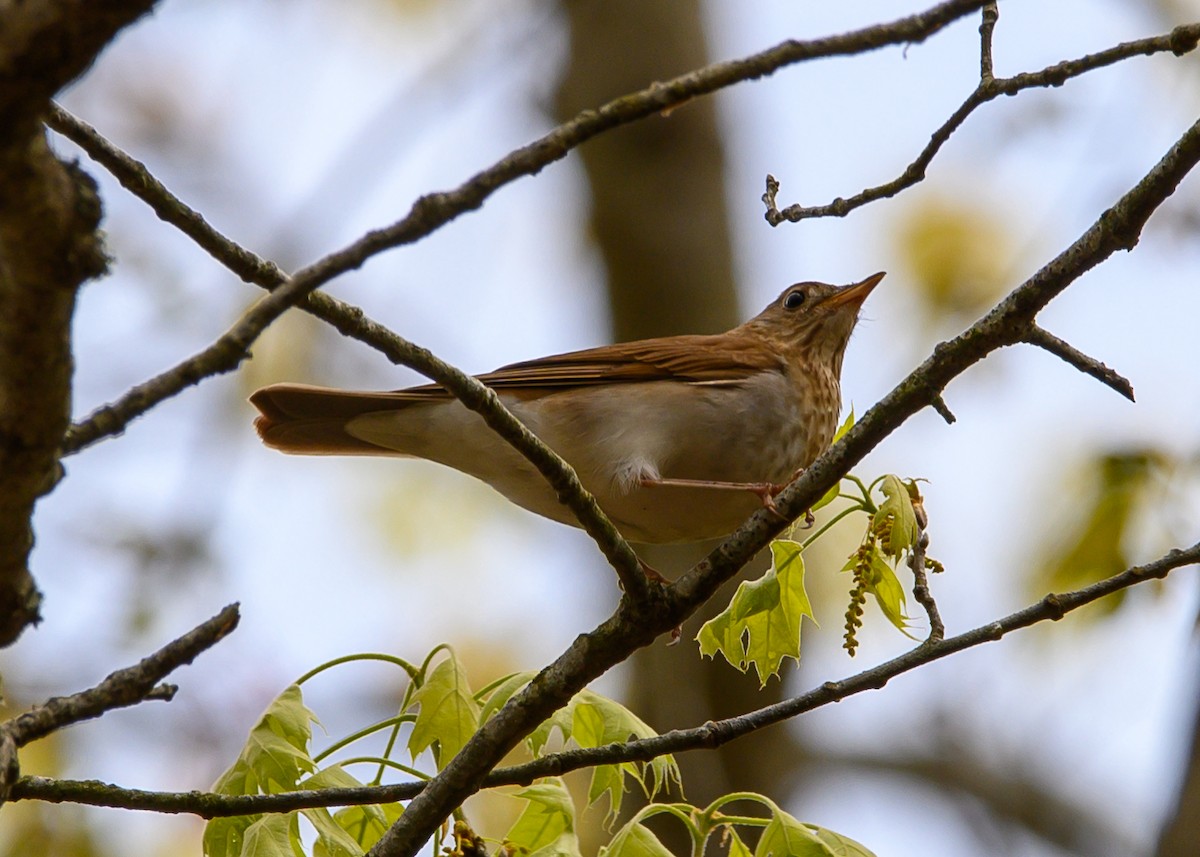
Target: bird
{"type": "Point", "coordinates": [679, 438]}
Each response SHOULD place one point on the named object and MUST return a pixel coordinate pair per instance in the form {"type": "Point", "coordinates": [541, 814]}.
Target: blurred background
{"type": "Point", "coordinates": [294, 127]}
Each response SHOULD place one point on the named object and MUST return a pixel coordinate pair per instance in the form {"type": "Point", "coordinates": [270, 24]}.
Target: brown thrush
{"type": "Point", "coordinates": [679, 438]}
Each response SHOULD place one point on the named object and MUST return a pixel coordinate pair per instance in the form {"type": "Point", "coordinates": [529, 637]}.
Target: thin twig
{"type": "Point", "coordinates": [1181, 40]}
{"type": "Point", "coordinates": [434, 210]}
{"type": "Point", "coordinates": [1042, 338]}
{"type": "Point", "coordinates": [987, 26]}
{"type": "Point", "coordinates": [943, 410]}
{"type": "Point", "coordinates": [225, 355]}
{"type": "Point", "coordinates": [124, 687]}
{"type": "Point", "coordinates": [712, 734]}
{"type": "Point", "coordinates": [120, 689]}
{"type": "Point", "coordinates": [921, 590]}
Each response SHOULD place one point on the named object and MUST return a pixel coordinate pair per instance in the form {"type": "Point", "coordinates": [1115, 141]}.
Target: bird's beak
{"type": "Point", "coordinates": [856, 293]}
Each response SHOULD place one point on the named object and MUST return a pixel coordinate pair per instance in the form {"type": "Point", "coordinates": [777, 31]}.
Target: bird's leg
{"type": "Point", "coordinates": [765, 491]}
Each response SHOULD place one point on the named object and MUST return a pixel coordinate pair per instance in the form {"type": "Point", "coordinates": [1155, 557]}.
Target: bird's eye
{"type": "Point", "coordinates": [794, 300]}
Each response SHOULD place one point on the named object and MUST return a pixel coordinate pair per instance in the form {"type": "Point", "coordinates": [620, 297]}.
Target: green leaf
{"type": "Point", "coordinates": [831, 495]}
{"type": "Point", "coordinates": [737, 848]}
{"type": "Point", "coordinates": [761, 625]}
{"type": "Point", "coordinates": [889, 594]}
{"type": "Point", "coordinates": [504, 690]}
{"type": "Point", "coordinates": [635, 840]}
{"type": "Point", "coordinates": [276, 753]}
{"type": "Point", "coordinates": [896, 517]}
{"type": "Point", "coordinates": [332, 838]}
{"type": "Point", "coordinates": [784, 836]}
{"type": "Point", "coordinates": [223, 837]}
{"type": "Point", "coordinates": [596, 721]}
{"type": "Point", "coordinates": [839, 845]}
{"type": "Point", "coordinates": [273, 835]}
{"type": "Point", "coordinates": [547, 824]}
{"type": "Point", "coordinates": [1108, 502]}
{"type": "Point", "coordinates": [539, 737]}
{"type": "Point", "coordinates": [448, 716]}
{"type": "Point", "coordinates": [351, 831]}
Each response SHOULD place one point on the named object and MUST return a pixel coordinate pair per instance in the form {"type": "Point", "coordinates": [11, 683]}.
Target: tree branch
{"type": "Point", "coordinates": [634, 625]}
{"type": "Point", "coordinates": [206, 805]}
{"type": "Point", "coordinates": [120, 689]}
{"type": "Point", "coordinates": [48, 44]}
{"type": "Point", "coordinates": [350, 320]}
{"type": "Point", "coordinates": [1179, 41]}
{"type": "Point", "coordinates": [49, 246]}
{"type": "Point", "coordinates": [1038, 336]}
{"type": "Point", "coordinates": [432, 211]}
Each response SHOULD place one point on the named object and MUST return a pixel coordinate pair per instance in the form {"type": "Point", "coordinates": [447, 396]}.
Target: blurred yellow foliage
{"type": "Point", "coordinates": [1114, 492]}
{"type": "Point", "coordinates": [958, 254]}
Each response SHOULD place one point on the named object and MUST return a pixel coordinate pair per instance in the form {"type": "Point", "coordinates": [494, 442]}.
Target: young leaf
{"type": "Point", "coordinates": [761, 625]}
{"type": "Point", "coordinates": [276, 753]}
{"type": "Point", "coordinates": [784, 836]}
{"type": "Point", "coordinates": [831, 495]}
{"type": "Point", "coordinates": [448, 716]}
{"type": "Point", "coordinates": [547, 824]}
{"type": "Point", "coordinates": [366, 824]}
{"type": "Point", "coordinates": [347, 833]}
{"type": "Point", "coordinates": [273, 835]}
{"type": "Point", "coordinates": [840, 846]}
{"type": "Point", "coordinates": [889, 594]}
{"type": "Point", "coordinates": [223, 837]}
{"type": "Point", "coordinates": [597, 720]}
{"type": "Point", "coordinates": [502, 692]}
{"type": "Point", "coordinates": [635, 840]}
{"type": "Point", "coordinates": [896, 519]}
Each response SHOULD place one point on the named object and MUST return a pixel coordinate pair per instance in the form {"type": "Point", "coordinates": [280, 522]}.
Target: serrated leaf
{"type": "Point", "coordinates": [597, 720]}
{"type": "Point", "coordinates": [539, 737]}
{"type": "Point", "coordinates": [223, 837]}
{"type": "Point", "coordinates": [896, 517]}
{"type": "Point", "coordinates": [839, 845]}
{"type": "Point", "coordinates": [784, 836]}
{"type": "Point", "coordinates": [761, 626]}
{"type": "Point", "coordinates": [502, 693]}
{"type": "Point", "coordinates": [546, 826]}
{"type": "Point", "coordinates": [273, 835]}
{"type": "Point", "coordinates": [349, 831]}
{"type": "Point", "coordinates": [634, 840]}
{"type": "Point", "coordinates": [889, 594]}
{"type": "Point", "coordinates": [737, 848]}
{"type": "Point", "coordinates": [276, 753]}
{"type": "Point", "coordinates": [448, 713]}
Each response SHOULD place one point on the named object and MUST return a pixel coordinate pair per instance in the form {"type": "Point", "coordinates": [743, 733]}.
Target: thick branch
{"type": "Point", "coordinates": [46, 45]}
{"type": "Point", "coordinates": [432, 211]}
{"type": "Point", "coordinates": [1050, 608]}
{"type": "Point", "coordinates": [636, 624]}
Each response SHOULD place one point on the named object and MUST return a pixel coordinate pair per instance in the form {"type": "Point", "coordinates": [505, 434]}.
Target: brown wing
{"type": "Point", "coordinates": [709, 359]}
{"type": "Point", "coordinates": [300, 418]}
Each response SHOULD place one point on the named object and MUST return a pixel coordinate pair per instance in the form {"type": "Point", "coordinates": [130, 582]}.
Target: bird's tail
{"type": "Point", "coordinates": [305, 420]}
